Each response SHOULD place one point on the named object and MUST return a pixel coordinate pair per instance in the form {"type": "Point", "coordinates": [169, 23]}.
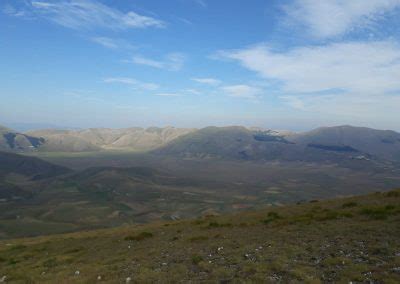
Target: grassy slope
{"type": "Point", "coordinates": [352, 239]}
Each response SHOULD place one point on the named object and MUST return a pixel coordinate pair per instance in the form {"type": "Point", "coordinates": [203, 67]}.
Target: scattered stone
{"type": "Point", "coordinates": [396, 269]}
{"type": "Point", "coordinates": [220, 248]}
{"type": "Point", "coordinates": [77, 273]}
{"type": "Point", "coordinates": [3, 279]}
{"type": "Point", "coordinates": [128, 279]}
{"type": "Point", "coordinates": [164, 264]}
{"type": "Point", "coordinates": [99, 277]}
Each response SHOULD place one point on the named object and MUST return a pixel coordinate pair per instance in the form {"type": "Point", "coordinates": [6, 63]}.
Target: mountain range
{"type": "Point", "coordinates": [326, 143]}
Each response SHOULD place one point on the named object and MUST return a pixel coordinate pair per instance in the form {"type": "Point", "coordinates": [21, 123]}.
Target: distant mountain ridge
{"type": "Point", "coordinates": [95, 139]}
{"type": "Point", "coordinates": [327, 143]}
{"type": "Point", "coordinates": [232, 142]}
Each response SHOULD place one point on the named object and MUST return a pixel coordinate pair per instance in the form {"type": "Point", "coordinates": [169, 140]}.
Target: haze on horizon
{"type": "Point", "coordinates": [293, 64]}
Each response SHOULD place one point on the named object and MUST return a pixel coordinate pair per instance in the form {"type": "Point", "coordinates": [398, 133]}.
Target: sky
{"type": "Point", "coordinates": [280, 64]}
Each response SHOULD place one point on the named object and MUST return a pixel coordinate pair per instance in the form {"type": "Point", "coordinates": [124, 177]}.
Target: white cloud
{"type": "Point", "coordinates": [88, 14]}
{"type": "Point", "coordinates": [207, 81]}
{"type": "Point", "coordinates": [330, 18]}
{"type": "Point", "coordinates": [241, 91]}
{"type": "Point", "coordinates": [138, 59]}
{"type": "Point", "coordinates": [192, 91]}
{"type": "Point", "coordinates": [133, 82]}
{"type": "Point", "coordinates": [106, 42]}
{"type": "Point", "coordinates": [172, 61]}
{"type": "Point", "coordinates": [355, 67]}
{"type": "Point", "coordinates": [168, 94]}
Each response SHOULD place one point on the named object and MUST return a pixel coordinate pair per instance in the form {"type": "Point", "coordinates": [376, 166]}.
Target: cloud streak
{"type": "Point", "coordinates": [241, 91]}
{"type": "Point", "coordinates": [207, 81]}
{"type": "Point", "coordinates": [133, 82]}
{"type": "Point", "coordinates": [172, 61]}
{"type": "Point", "coordinates": [88, 14]}
{"type": "Point", "coordinates": [355, 67]}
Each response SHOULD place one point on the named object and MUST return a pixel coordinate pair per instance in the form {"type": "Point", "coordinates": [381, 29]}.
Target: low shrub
{"type": "Point", "coordinates": [139, 237]}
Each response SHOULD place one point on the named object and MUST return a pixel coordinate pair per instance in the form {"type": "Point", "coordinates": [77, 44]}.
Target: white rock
{"type": "Point", "coordinates": [128, 279]}
{"type": "Point", "coordinates": [99, 277]}
{"type": "Point", "coordinates": [77, 272]}
{"type": "Point", "coordinates": [3, 279]}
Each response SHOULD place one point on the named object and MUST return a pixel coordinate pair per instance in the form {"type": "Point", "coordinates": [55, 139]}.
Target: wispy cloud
{"type": "Point", "coordinates": [88, 14]}
{"type": "Point", "coordinates": [172, 61]}
{"type": "Point", "coordinates": [106, 42]}
{"type": "Point", "coordinates": [168, 94]}
{"type": "Point", "coordinates": [242, 91]}
{"type": "Point", "coordinates": [113, 43]}
{"type": "Point", "coordinates": [326, 19]}
{"type": "Point", "coordinates": [207, 81]}
{"type": "Point", "coordinates": [133, 82]}
{"type": "Point", "coordinates": [363, 67]}
{"type": "Point", "coordinates": [201, 3]}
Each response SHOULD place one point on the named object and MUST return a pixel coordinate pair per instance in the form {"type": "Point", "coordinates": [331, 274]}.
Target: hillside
{"type": "Point", "coordinates": [11, 140]}
{"type": "Point", "coordinates": [378, 143]}
{"type": "Point", "coordinates": [95, 139]}
{"type": "Point", "coordinates": [343, 240]}
{"type": "Point", "coordinates": [347, 145]}
{"type": "Point", "coordinates": [29, 167]}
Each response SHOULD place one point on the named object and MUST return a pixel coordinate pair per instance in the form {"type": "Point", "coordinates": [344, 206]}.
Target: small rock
{"type": "Point", "coordinates": [396, 269]}
{"type": "Point", "coordinates": [99, 277]}
{"type": "Point", "coordinates": [77, 273]}
{"type": "Point", "coordinates": [128, 279]}
{"type": "Point", "coordinates": [220, 248]}
{"type": "Point", "coordinates": [164, 264]}
{"type": "Point", "coordinates": [3, 279]}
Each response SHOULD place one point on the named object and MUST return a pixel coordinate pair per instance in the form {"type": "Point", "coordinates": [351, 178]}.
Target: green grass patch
{"type": "Point", "coordinates": [196, 259]}
{"type": "Point", "coordinates": [379, 212]}
{"type": "Point", "coordinates": [271, 217]}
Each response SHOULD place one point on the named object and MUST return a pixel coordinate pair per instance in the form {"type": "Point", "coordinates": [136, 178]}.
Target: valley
{"type": "Point", "coordinates": [207, 171]}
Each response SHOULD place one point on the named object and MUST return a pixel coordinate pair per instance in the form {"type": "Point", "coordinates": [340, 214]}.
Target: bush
{"type": "Point", "coordinates": [349, 204]}
{"type": "Point", "coordinates": [271, 216]}
{"type": "Point", "coordinates": [393, 194]}
{"type": "Point", "coordinates": [139, 237]}
{"type": "Point", "coordinates": [379, 212]}
{"type": "Point", "coordinates": [196, 259]}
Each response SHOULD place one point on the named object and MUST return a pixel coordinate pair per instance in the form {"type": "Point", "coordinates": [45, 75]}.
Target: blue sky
{"type": "Point", "coordinates": [294, 64]}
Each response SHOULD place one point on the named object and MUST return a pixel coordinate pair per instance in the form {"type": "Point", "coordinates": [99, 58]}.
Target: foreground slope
{"type": "Point", "coordinates": [342, 240]}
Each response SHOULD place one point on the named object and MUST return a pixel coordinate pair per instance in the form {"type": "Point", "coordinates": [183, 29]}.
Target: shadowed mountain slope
{"type": "Point", "coordinates": [11, 140]}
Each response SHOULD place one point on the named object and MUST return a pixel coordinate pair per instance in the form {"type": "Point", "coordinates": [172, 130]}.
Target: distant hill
{"type": "Point", "coordinates": [324, 144]}
{"type": "Point", "coordinates": [379, 143]}
{"type": "Point", "coordinates": [95, 139]}
{"type": "Point", "coordinates": [11, 140]}
{"type": "Point", "coordinates": [343, 240]}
